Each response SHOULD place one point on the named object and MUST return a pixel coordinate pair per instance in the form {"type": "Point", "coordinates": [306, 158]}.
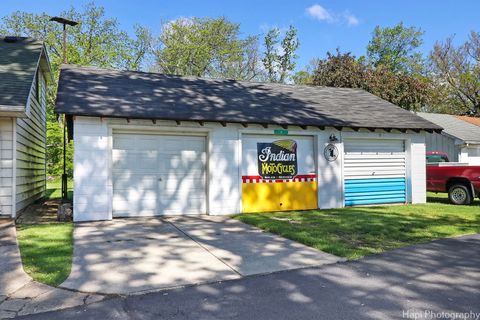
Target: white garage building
{"type": "Point", "coordinates": [150, 144]}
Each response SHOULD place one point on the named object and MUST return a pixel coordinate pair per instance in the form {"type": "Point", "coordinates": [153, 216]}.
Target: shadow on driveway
{"type": "Point", "coordinates": [126, 256]}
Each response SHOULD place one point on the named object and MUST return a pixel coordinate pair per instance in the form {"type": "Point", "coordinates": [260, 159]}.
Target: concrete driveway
{"type": "Point", "coordinates": [127, 256]}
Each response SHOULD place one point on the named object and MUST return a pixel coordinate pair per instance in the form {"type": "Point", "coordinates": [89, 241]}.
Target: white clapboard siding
{"type": "Point", "coordinates": [30, 149]}
{"type": "Point", "coordinates": [6, 165]}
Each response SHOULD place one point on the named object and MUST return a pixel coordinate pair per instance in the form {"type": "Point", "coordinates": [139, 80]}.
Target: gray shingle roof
{"type": "Point", "coordinates": [18, 64]}
{"type": "Point", "coordinates": [454, 127]}
{"type": "Point", "coordinates": [137, 95]}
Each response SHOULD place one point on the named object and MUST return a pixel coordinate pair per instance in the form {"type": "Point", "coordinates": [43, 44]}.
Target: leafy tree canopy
{"type": "Point", "coordinates": [207, 47]}
{"type": "Point", "coordinates": [344, 70]}
{"type": "Point", "coordinates": [456, 73]}
{"type": "Point", "coordinates": [280, 55]}
{"type": "Point", "coordinates": [395, 48]}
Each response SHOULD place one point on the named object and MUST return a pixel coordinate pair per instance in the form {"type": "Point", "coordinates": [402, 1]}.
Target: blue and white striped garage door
{"type": "Point", "coordinates": [374, 171]}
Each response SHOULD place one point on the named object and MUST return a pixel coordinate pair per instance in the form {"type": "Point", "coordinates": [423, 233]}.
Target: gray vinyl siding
{"type": "Point", "coordinates": [6, 166]}
{"type": "Point", "coordinates": [30, 149]}
{"type": "Point", "coordinates": [442, 143]}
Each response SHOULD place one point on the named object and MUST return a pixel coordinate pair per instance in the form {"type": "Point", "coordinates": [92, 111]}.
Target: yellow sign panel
{"type": "Point", "coordinates": [279, 196]}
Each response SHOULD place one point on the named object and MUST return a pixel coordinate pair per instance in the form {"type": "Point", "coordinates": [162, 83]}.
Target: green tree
{"type": "Point", "coordinates": [207, 47]}
{"type": "Point", "coordinates": [456, 74]}
{"type": "Point", "coordinates": [395, 48]}
{"type": "Point", "coordinates": [344, 70]}
{"type": "Point", "coordinates": [96, 41]}
{"type": "Point", "coordinates": [302, 77]}
{"type": "Point", "coordinates": [340, 70]}
{"type": "Point", "coordinates": [306, 75]}
{"type": "Point", "coordinates": [280, 55]}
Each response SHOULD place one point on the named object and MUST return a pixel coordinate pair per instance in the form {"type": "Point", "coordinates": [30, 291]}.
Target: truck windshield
{"type": "Point", "coordinates": [434, 158]}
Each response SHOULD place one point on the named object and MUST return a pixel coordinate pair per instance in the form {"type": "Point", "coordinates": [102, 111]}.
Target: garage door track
{"type": "Point", "coordinates": [126, 256]}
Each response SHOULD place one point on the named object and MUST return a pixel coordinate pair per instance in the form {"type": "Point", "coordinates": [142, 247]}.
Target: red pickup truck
{"type": "Point", "coordinates": [461, 181]}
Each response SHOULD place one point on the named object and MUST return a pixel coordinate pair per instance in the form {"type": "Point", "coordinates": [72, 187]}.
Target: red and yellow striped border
{"type": "Point", "coordinates": [298, 178]}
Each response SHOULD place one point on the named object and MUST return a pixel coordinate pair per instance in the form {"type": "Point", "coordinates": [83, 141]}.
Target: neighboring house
{"type": "Point", "coordinates": [459, 139]}
{"type": "Point", "coordinates": [472, 120]}
{"type": "Point", "coordinates": [24, 73]}
{"type": "Point", "coordinates": [151, 144]}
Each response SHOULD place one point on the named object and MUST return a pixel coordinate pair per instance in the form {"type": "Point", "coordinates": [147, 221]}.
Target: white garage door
{"type": "Point", "coordinates": [374, 171]}
{"type": "Point", "coordinates": [158, 175]}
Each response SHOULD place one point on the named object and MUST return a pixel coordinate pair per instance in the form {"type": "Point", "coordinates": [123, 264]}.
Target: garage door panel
{"type": "Point", "coordinates": [398, 162]}
{"type": "Point", "coordinates": [122, 204]}
{"type": "Point", "coordinates": [184, 185]}
{"type": "Point", "coordinates": [134, 142]}
{"type": "Point", "coordinates": [374, 171]}
{"type": "Point", "coordinates": [134, 176]}
{"type": "Point", "coordinates": [135, 195]}
{"type": "Point", "coordinates": [373, 191]}
{"type": "Point", "coordinates": [182, 175]}
{"type": "Point", "coordinates": [136, 182]}
{"type": "Point", "coordinates": [183, 145]}
{"type": "Point", "coordinates": [370, 146]}
{"type": "Point", "coordinates": [377, 171]}
{"type": "Point", "coordinates": [179, 197]}
{"type": "Point", "coordinates": [190, 206]}
{"type": "Point", "coordinates": [156, 174]}
{"type": "Point", "coordinates": [367, 193]}
{"type": "Point", "coordinates": [185, 163]}
{"type": "Point", "coordinates": [128, 206]}
{"type": "Point", "coordinates": [145, 161]}
{"type": "Point", "coordinates": [373, 157]}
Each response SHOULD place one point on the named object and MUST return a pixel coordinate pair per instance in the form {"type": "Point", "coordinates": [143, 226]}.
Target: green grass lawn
{"type": "Point", "coordinates": [359, 231]}
{"type": "Point", "coordinates": [54, 189]}
{"type": "Point", "coordinates": [46, 251]}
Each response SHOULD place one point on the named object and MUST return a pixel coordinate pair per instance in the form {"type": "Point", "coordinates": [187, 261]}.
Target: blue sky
{"type": "Point", "coordinates": [322, 25]}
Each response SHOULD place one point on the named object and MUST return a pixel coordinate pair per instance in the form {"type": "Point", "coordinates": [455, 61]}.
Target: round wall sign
{"type": "Point", "coordinates": [330, 152]}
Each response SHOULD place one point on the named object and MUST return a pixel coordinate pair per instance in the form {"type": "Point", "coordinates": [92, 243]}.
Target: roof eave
{"type": "Point", "coordinates": [12, 111]}
{"type": "Point", "coordinates": [44, 54]}
{"type": "Point", "coordinates": [356, 128]}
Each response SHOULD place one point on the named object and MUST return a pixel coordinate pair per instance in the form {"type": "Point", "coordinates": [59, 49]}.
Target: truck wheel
{"type": "Point", "coordinates": [459, 194]}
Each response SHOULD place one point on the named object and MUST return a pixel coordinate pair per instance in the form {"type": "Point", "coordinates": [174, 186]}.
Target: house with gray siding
{"type": "Point", "coordinates": [24, 74]}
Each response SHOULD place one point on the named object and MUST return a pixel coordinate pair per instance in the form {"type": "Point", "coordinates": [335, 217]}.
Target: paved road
{"type": "Point", "coordinates": [442, 276]}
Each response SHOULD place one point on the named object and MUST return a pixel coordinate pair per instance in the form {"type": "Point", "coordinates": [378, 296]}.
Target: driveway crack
{"type": "Point", "coordinates": [204, 247]}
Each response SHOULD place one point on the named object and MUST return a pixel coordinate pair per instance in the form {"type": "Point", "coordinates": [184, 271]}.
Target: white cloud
{"type": "Point", "coordinates": [320, 13]}
{"type": "Point", "coordinates": [351, 19]}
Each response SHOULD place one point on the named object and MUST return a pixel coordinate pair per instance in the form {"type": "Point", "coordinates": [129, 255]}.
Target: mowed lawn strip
{"type": "Point", "coordinates": [54, 189]}
{"type": "Point", "coordinates": [46, 251]}
{"type": "Point", "coordinates": [359, 231]}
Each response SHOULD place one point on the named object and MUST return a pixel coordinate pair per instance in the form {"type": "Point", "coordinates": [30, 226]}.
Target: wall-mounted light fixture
{"type": "Point", "coordinates": [333, 138]}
